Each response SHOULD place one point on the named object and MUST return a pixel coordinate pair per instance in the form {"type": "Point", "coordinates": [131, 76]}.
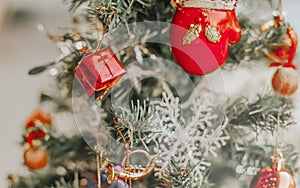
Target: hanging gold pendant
{"type": "Point", "coordinates": [131, 172]}
{"type": "Point", "coordinates": [191, 34]}
{"type": "Point", "coordinates": [212, 34]}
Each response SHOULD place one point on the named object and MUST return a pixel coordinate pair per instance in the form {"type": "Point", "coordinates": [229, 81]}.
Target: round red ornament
{"type": "Point", "coordinates": [275, 177]}
{"type": "Point", "coordinates": [266, 178]}
{"type": "Point", "coordinates": [271, 178]}
{"type": "Point", "coordinates": [285, 81]}
{"type": "Point", "coordinates": [201, 32]}
{"type": "Point", "coordinates": [35, 158]}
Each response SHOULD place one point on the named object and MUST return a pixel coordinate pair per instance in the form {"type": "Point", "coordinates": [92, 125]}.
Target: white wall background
{"type": "Point", "coordinates": [21, 48]}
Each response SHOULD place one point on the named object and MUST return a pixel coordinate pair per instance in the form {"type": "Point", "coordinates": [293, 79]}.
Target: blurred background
{"type": "Point", "coordinates": [22, 47]}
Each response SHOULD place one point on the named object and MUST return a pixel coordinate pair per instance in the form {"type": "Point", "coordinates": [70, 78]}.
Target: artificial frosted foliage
{"type": "Point", "coordinates": [183, 143]}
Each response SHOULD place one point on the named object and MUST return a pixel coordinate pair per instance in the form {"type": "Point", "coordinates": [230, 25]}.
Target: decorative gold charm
{"type": "Point", "coordinates": [212, 34]}
{"type": "Point", "coordinates": [131, 172]}
{"type": "Point", "coordinates": [191, 34]}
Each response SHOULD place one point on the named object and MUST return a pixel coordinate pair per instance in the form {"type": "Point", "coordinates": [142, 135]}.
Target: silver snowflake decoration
{"type": "Point", "coordinates": [184, 143]}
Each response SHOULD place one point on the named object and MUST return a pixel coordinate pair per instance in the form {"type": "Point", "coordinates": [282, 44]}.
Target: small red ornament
{"type": "Point", "coordinates": [35, 135]}
{"type": "Point", "coordinates": [35, 158]}
{"type": "Point", "coordinates": [286, 45]}
{"type": "Point", "coordinates": [38, 116]}
{"type": "Point", "coordinates": [201, 32]}
{"type": "Point", "coordinates": [292, 50]}
{"type": "Point", "coordinates": [36, 126]}
{"type": "Point", "coordinates": [285, 81]}
{"type": "Point", "coordinates": [99, 71]}
{"type": "Point", "coordinates": [275, 177]}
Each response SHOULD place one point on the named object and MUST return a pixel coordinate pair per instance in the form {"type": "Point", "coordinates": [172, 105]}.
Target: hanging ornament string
{"type": "Point", "coordinates": [279, 141]}
{"type": "Point", "coordinates": [278, 14]}
{"type": "Point", "coordinates": [98, 22]}
{"type": "Point", "coordinates": [282, 137]}
{"type": "Point", "coordinates": [99, 157]}
{"type": "Point", "coordinates": [100, 38]}
{"type": "Point", "coordinates": [117, 123]}
{"type": "Point", "coordinates": [127, 165]}
{"type": "Point", "coordinates": [127, 144]}
{"type": "Point", "coordinates": [277, 133]}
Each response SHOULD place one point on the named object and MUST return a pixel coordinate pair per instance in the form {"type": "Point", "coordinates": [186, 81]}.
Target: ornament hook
{"type": "Point", "coordinates": [101, 9]}
{"type": "Point", "coordinates": [99, 158]}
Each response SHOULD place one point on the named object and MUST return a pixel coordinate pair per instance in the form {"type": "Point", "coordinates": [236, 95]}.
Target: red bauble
{"type": "Point", "coordinates": [98, 71]}
{"type": "Point", "coordinates": [266, 178]}
{"type": "Point", "coordinates": [35, 158]}
{"type": "Point", "coordinates": [272, 178]}
{"type": "Point", "coordinates": [200, 37]}
{"type": "Point", "coordinates": [285, 81]}
{"type": "Point", "coordinates": [275, 177]}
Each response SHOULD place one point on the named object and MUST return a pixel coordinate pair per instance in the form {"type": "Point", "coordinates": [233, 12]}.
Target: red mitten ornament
{"type": "Point", "coordinates": [99, 71]}
{"type": "Point", "coordinates": [201, 33]}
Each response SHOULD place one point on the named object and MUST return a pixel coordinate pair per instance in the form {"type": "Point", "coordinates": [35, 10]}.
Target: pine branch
{"type": "Point", "coordinates": [261, 115]}
{"type": "Point", "coordinates": [252, 129]}
{"type": "Point", "coordinates": [254, 44]}
{"type": "Point", "coordinates": [68, 156]}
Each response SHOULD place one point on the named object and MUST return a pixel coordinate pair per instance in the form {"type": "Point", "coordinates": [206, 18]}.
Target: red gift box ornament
{"type": "Point", "coordinates": [99, 71]}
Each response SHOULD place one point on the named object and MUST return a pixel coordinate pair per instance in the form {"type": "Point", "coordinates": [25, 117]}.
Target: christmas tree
{"type": "Point", "coordinates": [147, 84]}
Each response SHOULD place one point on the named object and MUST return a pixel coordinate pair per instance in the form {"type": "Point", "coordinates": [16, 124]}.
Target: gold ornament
{"type": "Point", "coordinates": [131, 172]}
{"type": "Point", "coordinates": [191, 34]}
{"type": "Point", "coordinates": [212, 34]}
